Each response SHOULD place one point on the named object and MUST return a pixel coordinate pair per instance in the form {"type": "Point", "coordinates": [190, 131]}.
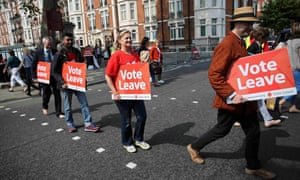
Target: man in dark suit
{"type": "Point", "coordinates": [46, 54]}
{"type": "Point", "coordinates": [232, 106]}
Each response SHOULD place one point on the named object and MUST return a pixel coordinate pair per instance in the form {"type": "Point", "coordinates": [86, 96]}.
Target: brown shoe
{"type": "Point", "coordinates": [261, 173]}
{"type": "Point", "coordinates": [195, 155]}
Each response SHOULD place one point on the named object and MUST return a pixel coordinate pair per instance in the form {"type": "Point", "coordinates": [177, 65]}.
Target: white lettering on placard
{"type": "Point", "coordinates": [261, 81]}
{"type": "Point", "coordinates": [257, 68]}
{"type": "Point", "coordinates": [41, 74]}
{"type": "Point", "coordinates": [74, 79]}
{"type": "Point", "coordinates": [41, 68]}
{"type": "Point", "coordinates": [74, 71]}
{"type": "Point", "coordinates": [131, 75]}
{"type": "Point", "coordinates": [132, 85]}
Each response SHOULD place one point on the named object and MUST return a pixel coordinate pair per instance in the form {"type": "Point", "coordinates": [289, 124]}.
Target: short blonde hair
{"type": "Point", "coordinates": [26, 51]}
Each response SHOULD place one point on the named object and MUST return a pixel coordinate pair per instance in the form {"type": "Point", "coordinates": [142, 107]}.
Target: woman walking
{"type": "Point", "coordinates": [123, 56]}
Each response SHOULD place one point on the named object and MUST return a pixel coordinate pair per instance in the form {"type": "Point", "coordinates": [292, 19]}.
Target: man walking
{"type": "Point", "coordinates": [46, 54]}
{"type": "Point", "coordinates": [69, 53]}
{"type": "Point", "coordinates": [232, 106]}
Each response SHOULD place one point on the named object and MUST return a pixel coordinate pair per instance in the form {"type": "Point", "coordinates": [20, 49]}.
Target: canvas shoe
{"type": "Point", "coordinates": [91, 128]}
{"type": "Point", "coordinates": [142, 144]}
{"type": "Point", "coordinates": [130, 148]}
{"type": "Point", "coordinates": [71, 128]}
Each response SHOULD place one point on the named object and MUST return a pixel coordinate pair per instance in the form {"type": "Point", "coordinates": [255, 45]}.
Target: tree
{"type": "Point", "coordinates": [279, 14]}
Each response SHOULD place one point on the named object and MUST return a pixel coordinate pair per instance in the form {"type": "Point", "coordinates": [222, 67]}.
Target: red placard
{"type": "Point", "coordinates": [263, 76]}
{"type": "Point", "coordinates": [43, 72]}
{"type": "Point", "coordinates": [74, 75]}
{"type": "Point", "coordinates": [133, 82]}
{"type": "Point", "coordinates": [87, 52]}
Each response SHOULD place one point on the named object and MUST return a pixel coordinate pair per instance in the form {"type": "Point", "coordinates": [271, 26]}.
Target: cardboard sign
{"type": "Point", "coordinates": [74, 75]}
{"type": "Point", "coordinates": [43, 72]}
{"type": "Point", "coordinates": [87, 52]}
{"type": "Point", "coordinates": [263, 76]}
{"type": "Point", "coordinates": [133, 82]}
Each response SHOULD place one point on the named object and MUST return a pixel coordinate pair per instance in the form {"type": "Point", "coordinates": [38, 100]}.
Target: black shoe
{"type": "Point", "coordinates": [28, 94]}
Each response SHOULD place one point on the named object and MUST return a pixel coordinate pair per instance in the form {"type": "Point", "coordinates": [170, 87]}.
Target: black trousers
{"type": "Point", "coordinates": [47, 90]}
{"type": "Point", "coordinates": [250, 126]}
{"type": "Point", "coordinates": [29, 80]}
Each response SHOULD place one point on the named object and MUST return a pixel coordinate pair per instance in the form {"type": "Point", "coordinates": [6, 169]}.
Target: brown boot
{"type": "Point", "coordinates": [195, 155]}
{"type": "Point", "coordinates": [261, 173]}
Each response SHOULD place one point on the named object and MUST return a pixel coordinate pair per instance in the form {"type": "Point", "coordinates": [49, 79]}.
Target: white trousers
{"type": "Point", "coordinates": [15, 76]}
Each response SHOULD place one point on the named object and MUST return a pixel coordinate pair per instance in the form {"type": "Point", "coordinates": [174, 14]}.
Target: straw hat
{"type": "Point", "coordinates": [244, 14]}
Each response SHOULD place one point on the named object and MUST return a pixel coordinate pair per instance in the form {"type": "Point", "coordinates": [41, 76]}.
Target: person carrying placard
{"type": "Point", "coordinates": [123, 56]}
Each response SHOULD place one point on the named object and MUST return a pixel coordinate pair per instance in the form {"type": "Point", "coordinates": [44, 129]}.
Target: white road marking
{"type": "Point", "coordinates": [59, 130]}
{"type": "Point", "coordinates": [75, 138]}
{"type": "Point", "coordinates": [7, 109]}
{"type": "Point", "coordinates": [154, 95]}
{"type": "Point", "coordinates": [32, 119]}
{"type": "Point", "coordinates": [154, 108]}
{"type": "Point", "coordinates": [195, 102]}
{"type": "Point", "coordinates": [1, 107]}
{"type": "Point", "coordinates": [14, 112]}
{"type": "Point", "coordinates": [100, 150]}
{"type": "Point", "coordinates": [22, 115]}
{"type": "Point", "coordinates": [99, 90]}
{"type": "Point", "coordinates": [172, 98]}
{"type": "Point", "coordinates": [194, 90]}
{"type": "Point", "coordinates": [45, 124]}
{"type": "Point", "coordinates": [131, 165]}
{"type": "Point", "coordinates": [89, 89]}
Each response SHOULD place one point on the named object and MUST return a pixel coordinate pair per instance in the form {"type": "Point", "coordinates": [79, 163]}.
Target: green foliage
{"type": "Point", "coordinates": [280, 14]}
{"type": "Point", "coordinates": [30, 9]}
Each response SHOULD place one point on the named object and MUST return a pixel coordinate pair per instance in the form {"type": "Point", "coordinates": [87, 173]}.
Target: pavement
{"type": "Point", "coordinates": [34, 146]}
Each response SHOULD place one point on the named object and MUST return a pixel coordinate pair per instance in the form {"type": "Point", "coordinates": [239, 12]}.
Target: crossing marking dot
{"type": "Point", "coordinates": [194, 90]}
{"type": "Point", "coordinates": [154, 95]}
{"type": "Point", "coordinates": [100, 150]}
{"type": "Point", "coordinates": [32, 119]}
{"type": "Point", "coordinates": [89, 89]}
{"type": "Point", "coordinates": [14, 112]}
{"type": "Point", "coordinates": [99, 90]}
{"type": "Point", "coordinates": [154, 108]}
{"type": "Point", "coordinates": [75, 138]}
{"type": "Point", "coordinates": [59, 130]}
{"type": "Point", "coordinates": [195, 102]}
{"type": "Point", "coordinates": [172, 98]}
{"type": "Point", "coordinates": [7, 109]}
{"type": "Point", "coordinates": [1, 107]}
{"type": "Point", "coordinates": [22, 115]}
{"type": "Point", "coordinates": [131, 165]}
{"type": "Point", "coordinates": [45, 124]}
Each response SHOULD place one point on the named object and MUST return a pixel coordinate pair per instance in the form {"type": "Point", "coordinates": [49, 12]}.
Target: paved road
{"type": "Point", "coordinates": [32, 146]}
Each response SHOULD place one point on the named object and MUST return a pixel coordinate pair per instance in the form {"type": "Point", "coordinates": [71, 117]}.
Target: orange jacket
{"type": "Point", "coordinates": [155, 54]}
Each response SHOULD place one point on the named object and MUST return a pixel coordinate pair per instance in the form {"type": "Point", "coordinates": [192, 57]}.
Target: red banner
{"type": "Point", "coordinates": [74, 75]}
{"type": "Point", "coordinates": [133, 82]}
{"type": "Point", "coordinates": [263, 76]}
{"type": "Point", "coordinates": [43, 72]}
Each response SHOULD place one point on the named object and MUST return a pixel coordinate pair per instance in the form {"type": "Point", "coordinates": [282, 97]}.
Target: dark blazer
{"type": "Point", "coordinates": [226, 53]}
{"type": "Point", "coordinates": [39, 56]}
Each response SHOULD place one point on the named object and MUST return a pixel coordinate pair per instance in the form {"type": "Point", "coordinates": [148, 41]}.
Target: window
{"type": "Point", "coordinates": [103, 3]}
{"type": "Point", "coordinates": [104, 19]}
{"type": "Point", "coordinates": [214, 26]}
{"type": "Point", "coordinates": [71, 5]}
{"type": "Point", "coordinates": [202, 3]}
{"type": "Point", "coordinates": [202, 27]}
{"type": "Point", "coordinates": [78, 22]}
{"type": "Point", "coordinates": [123, 12]}
{"type": "Point", "coordinates": [92, 22]}
{"type": "Point", "coordinates": [132, 10]}
{"type": "Point", "coordinates": [175, 9]}
{"type": "Point", "coordinates": [90, 4]}
{"type": "Point", "coordinates": [176, 31]}
{"type": "Point", "coordinates": [80, 41]}
{"type": "Point", "coordinates": [150, 10]}
{"type": "Point", "coordinates": [151, 32]}
{"type": "Point", "coordinates": [77, 5]}
{"type": "Point", "coordinates": [213, 3]}
{"type": "Point", "coordinates": [133, 36]}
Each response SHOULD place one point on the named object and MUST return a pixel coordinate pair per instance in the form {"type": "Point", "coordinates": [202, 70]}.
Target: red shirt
{"type": "Point", "coordinates": [120, 58]}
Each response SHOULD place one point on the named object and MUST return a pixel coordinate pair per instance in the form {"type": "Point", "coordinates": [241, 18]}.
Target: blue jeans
{"type": "Point", "coordinates": [264, 111]}
{"type": "Point", "coordinates": [81, 97]}
{"type": "Point", "coordinates": [125, 107]}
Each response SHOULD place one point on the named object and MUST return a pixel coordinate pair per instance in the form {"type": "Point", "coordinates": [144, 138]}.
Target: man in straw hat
{"type": "Point", "coordinates": [231, 106]}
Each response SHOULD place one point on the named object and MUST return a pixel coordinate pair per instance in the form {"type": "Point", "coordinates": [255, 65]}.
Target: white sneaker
{"type": "Point", "coordinates": [142, 144]}
{"type": "Point", "coordinates": [161, 81]}
{"type": "Point", "coordinates": [130, 148]}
